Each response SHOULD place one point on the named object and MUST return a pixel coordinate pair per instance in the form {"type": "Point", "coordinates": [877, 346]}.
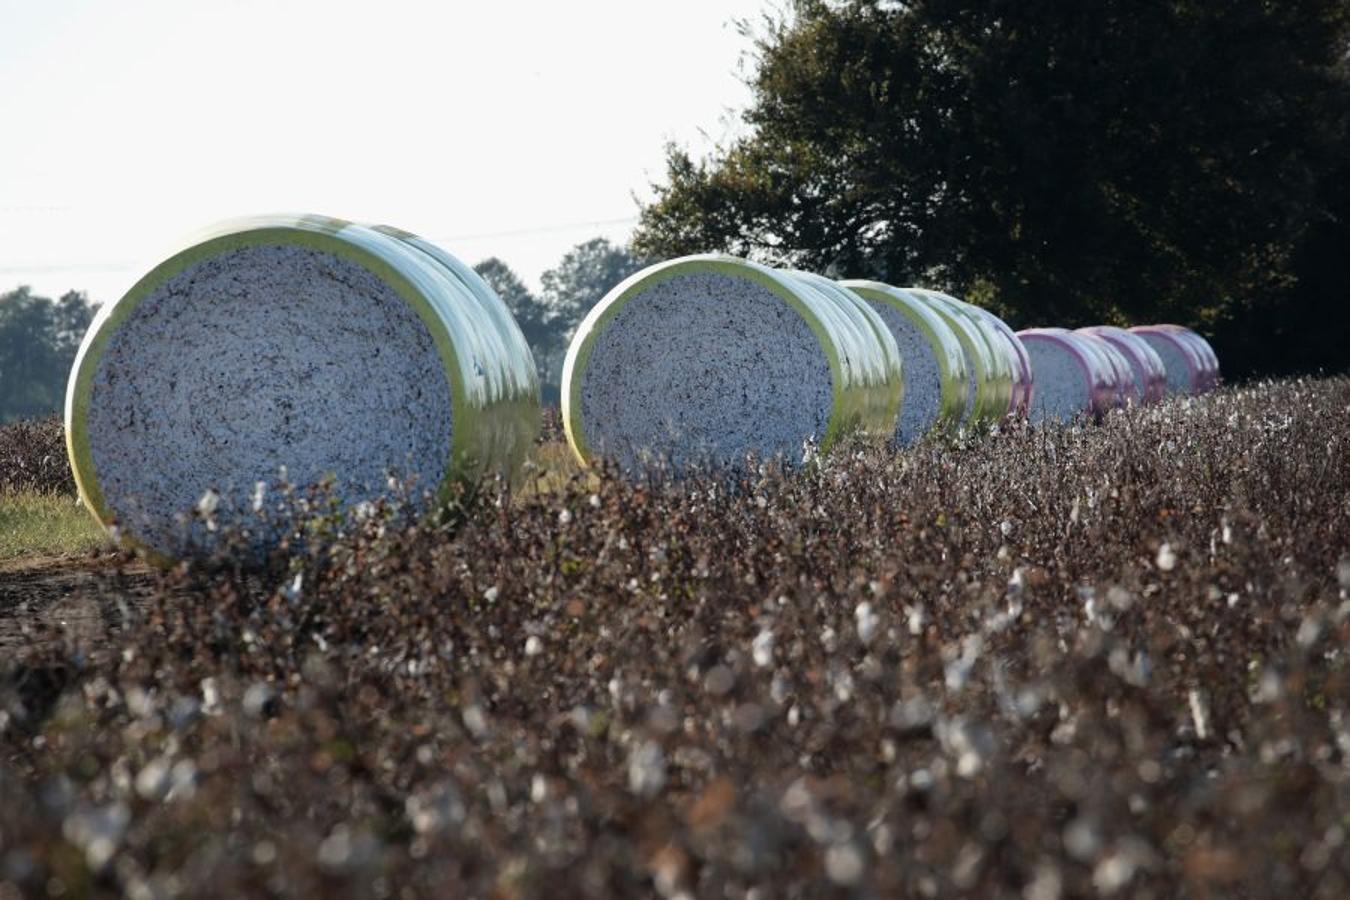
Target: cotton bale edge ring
{"type": "Point", "coordinates": [934, 363]}
{"type": "Point", "coordinates": [701, 360]}
{"type": "Point", "coordinates": [300, 342]}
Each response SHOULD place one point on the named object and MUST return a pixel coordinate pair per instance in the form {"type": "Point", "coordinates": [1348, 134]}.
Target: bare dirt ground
{"type": "Point", "coordinates": [47, 599]}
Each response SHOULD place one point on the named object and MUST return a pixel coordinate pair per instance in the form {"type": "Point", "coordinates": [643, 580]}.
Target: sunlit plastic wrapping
{"type": "Point", "coordinates": [936, 378]}
{"type": "Point", "coordinates": [988, 355]}
{"type": "Point", "coordinates": [500, 351]}
{"type": "Point", "coordinates": [702, 361]}
{"type": "Point", "coordinates": [1146, 367]}
{"type": "Point", "coordinates": [881, 367]}
{"type": "Point", "coordinates": [1182, 359]}
{"type": "Point", "coordinates": [1023, 379]}
{"type": "Point", "coordinates": [300, 349]}
{"type": "Point", "coordinates": [1072, 379]}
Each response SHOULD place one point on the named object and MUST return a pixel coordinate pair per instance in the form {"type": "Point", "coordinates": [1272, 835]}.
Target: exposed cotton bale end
{"type": "Point", "coordinates": [1181, 359]}
{"type": "Point", "coordinates": [1071, 380]}
{"type": "Point", "coordinates": [701, 361]}
{"type": "Point", "coordinates": [936, 377]}
{"type": "Point", "coordinates": [305, 345]}
{"type": "Point", "coordinates": [1146, 367]}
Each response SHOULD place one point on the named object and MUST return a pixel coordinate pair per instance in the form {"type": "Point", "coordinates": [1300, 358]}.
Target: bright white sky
{"type": "Point", "coordinates": [494, 128]}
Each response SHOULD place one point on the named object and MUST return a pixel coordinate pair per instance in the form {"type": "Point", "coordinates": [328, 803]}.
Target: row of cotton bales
{"type": "Point", "coordinates": [1094, 370]}
{"type": "Point", "coordinates": [705, 360]}
{"type": "Point", "coordinates": [301, 345]}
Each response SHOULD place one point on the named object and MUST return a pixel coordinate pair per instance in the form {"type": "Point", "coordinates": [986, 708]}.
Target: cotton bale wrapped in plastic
{"type": "Point", "coordinates": [937, 382]}
{"type": "Point", "coordinates": [1181, 357]}
{"type": "Point", "coordinates": [1072, 379]}
{"type": "Point", "coordinates": [990, 367]}
{"type": "Point", "coordinates": [886, 383]}
{"type": "Point", "coordinates": [1146, 367]}
{"type": "Point", "coordinates": [304, 345]}
{"type": "Point", "coordinates": [1023, 379]}
{"type": "Point", "coordinates": [1126, 392]}
{"type": "Point", "coordinates": [702, 361]}
{"type": "Point", "coordinates": [502, 356]}
{"type": "Point", "coordinates": [1208, 378]}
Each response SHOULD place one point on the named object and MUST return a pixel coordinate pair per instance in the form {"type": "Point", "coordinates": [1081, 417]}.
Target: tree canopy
{"type": "Point", "coordinates": [1109, 160]}
{"type": "Point", "coordinates": [583, 276]}
{"type": "Point", "coordinates": [38, 341]}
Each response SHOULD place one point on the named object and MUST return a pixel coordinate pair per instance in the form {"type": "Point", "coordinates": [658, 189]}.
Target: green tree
{"type": "Point", "coordinates": [38, 341]}
{"type": "Point", "coordinates": [531, 315]}
{"type": "Point", "coordinates": [1063, 162]}
{"type": "Point", "coordinates": [582, 278]}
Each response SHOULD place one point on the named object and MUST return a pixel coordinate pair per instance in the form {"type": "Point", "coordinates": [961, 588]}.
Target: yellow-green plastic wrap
{"type": "Point", "coordinates": [953, 377]}
{"type": "Point", "coordinates": [993, 367]}
{"type": "Point", "coordinates": [974, 349]}
{"type": "Point", "coordinates": [881, 367]}
{"type": "Point", "coordinates": [501, 353]}
{"type": "Point", "coordinates": [855, 360]}
{"type": "Point", "coordinates": [493, 401]}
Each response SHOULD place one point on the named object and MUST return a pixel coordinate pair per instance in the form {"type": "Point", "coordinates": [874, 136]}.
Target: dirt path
{"type": "Point", "coordinates": [47, 599]}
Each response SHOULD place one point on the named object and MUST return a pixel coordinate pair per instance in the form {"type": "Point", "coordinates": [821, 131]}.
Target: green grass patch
{"type": "Point", "coordinates": [550, 468]}
{"type": "Point", "coordinates": [44, 524]}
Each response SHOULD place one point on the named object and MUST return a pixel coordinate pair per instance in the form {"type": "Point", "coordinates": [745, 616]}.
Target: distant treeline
{"type": "Point", "coordinates": [38, 340]}
{"type": "Point", "coordinates": [39, 336]}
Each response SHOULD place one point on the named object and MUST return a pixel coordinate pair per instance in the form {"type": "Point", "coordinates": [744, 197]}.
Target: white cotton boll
{"type": "Point", "coordinates": [209, 503]}
{"type": "Point", "coordinates": [867, 622]}
{"type": "Point", "coordinates": [761, 649]}
{"type": "Point", "coordinates": [1167, 558]}
{"type": "Point", "coordinates": [647, 769]}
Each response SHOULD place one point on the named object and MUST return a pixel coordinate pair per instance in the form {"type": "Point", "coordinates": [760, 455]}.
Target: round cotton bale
{"type": "Point", "coordinates": [304, 345]}
{"type": "Point", "coordinates": [990, 378]}
{"type": "Point", "coordinates": [999, 393]}
{"type": "Point", "coordinates": [1209, 361]}
{"type": "Point", "coordinates": [1146, 367]}
{"type": "Point", "coordinates": [1181, 359]}
{"type": "Point", "coordinates": [882, 367]}
{"type": "Point", "coordinates": [936, 386]}
{"type": "Point", "coordinates": [1123, 375]}
{"type": "Point", "coordinates": [1022, 377]}
{"type": "Point", "coordinates": [701, 361]}
{"type": "Point", "coordinates": [1071, 379]}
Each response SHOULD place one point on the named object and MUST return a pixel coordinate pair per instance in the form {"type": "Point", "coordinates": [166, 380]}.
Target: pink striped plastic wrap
{"type": "Point", "coordinates": [1150, 377]}
{"type": "Point", "coordinates": [1188, 372]}
{"type": "Point", "coordinates": [1089, 386]}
